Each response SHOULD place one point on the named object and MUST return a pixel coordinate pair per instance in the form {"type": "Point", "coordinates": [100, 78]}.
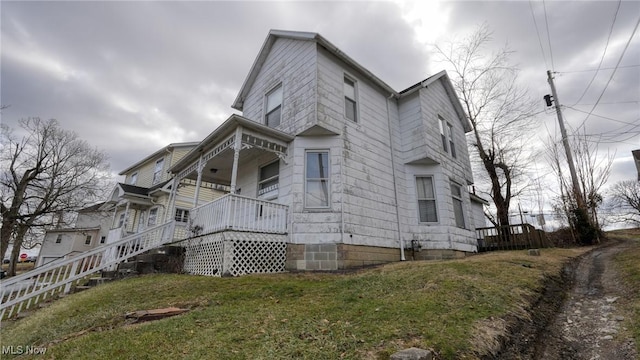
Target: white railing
{"type": "Point", "coordinates": [21, 292]}
{"type": "Point", "coordinates": [239, 213]}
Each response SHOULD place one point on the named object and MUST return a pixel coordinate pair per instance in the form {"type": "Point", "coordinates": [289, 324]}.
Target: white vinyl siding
{"type": "Point", "coordinates": [426, 197]}
{"type": "Point", "coordinates": [317, 179]}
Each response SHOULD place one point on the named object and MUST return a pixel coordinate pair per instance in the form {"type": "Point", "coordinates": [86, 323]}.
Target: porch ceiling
{"type": "Point", "coordinates": [218, 169]}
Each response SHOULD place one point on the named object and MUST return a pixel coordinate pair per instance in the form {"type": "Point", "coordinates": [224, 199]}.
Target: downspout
{"type": "Point", "coordinates": [393, 173]}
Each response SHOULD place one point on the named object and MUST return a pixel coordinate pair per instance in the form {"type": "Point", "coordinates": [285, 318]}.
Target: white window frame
{"type": "Point", "coordinates": [88, 239]}
{"type": "Point", "coordinates": [273, 187]}
{"type": "Point", "coordinates": [434, 199]}
{"type": "Point", "coordinates": [267, 111]}
{"type": "Point", "coordinates": [319, 179]}
{"type": "Point", "coordinates": [153, 211]}
{"type": "Point", "coordinates": [348, 97]}
{"type": "Point", "coordinates": [452, 144]}
{"type": "Point", "coordinates": [181, 215]}
{"type": "Point", "coordinates": [121, 220]}
{"type": "Point", "coordinates": [442, 123]}
{"type": "Point", "coordinates": [457, 199]}
{"type": "Point", "coordinates": [157, 171]}
{"type": "Point", "coordinates": [133, 179]}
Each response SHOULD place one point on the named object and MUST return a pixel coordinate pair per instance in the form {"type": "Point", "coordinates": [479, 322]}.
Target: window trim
{"type": "Point", "coordinates": [435, 198]}
{"type": "Point", "coordinates": [452, 184]}
{"type": "Point", "coordinates": [184, 218]}
{"type": "Point", "coordinates": [121, 220]}
{"type": "Point", "coordinates": [266, 104]}
{"type": "Point", "coordinates": [157, 173]}
{"type": "Point", "coordinates": [133, 179]}
{"type": "Point", "coordinates": [356, 114]}
{"type": "Point", "coordinates": [452, 144]}
{"type": "Point", "coordinates": [155, 218]}
{"type": "Point", "coordinates": [274, 187]}
{"type": "Point", "coordinates": [442, 124]}
{"type": "Point", "coordinates": [88, 239]}
{"type": "Point", "coordinates": [328, 178]}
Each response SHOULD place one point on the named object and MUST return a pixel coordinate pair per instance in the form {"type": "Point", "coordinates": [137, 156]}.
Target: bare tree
{"type": "Point", "coordinates": [45, 173]}
{"type": "Point", "coordinates": [499, 111]}
{"type": "Point", "coordinates": [625, 196]}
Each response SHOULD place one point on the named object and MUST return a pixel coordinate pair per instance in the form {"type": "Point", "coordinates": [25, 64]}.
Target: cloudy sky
{"type": "Point", "coordinates": [131, 77]}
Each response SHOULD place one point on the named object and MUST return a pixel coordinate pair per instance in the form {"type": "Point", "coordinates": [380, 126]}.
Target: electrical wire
{"type": "Point", "coordinates": [590, 113]}
{"type": "Point", "coordinates": [611, 77]}
{"type": "Point", "coordinates": [548, 35]}
{"type": "Point", "coordinates": [535, 23]}
{"type": "Point", "coordinates": [589, 70]}
{"type": "Point", "coordinates": [606, 46]}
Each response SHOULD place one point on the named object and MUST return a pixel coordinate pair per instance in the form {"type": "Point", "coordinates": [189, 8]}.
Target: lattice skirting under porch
{"type": "Point", "coordinates": [233, 253]}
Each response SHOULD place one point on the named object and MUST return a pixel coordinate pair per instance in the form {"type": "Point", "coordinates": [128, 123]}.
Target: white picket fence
{"type": "Point", "coordinates": [19, 293]}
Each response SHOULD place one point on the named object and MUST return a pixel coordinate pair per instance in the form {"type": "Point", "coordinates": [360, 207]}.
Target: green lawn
{"type": "Point", "coordinates": [453, 307]}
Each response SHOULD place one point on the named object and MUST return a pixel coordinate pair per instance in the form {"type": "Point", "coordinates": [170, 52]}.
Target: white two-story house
{"type": "Point", "coordinates": [329, 160]}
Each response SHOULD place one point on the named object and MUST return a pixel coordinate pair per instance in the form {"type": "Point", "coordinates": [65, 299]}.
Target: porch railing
{"type": "Point", "coordinates": [21, 292]}
{"type": "Point", "coordinates": [240, 213]}
{"type": "Point", "coordinates": [512, 237]}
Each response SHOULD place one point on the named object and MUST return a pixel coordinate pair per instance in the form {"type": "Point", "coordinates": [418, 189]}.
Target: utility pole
{"type": "Point", "coordinates": [565, 141]}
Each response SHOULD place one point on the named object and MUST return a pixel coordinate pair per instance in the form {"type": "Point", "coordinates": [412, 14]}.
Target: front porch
{"type": "Point", "coordinates": [236, 234]}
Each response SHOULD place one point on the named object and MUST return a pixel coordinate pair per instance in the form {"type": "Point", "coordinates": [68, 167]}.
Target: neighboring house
{"type": "Point", "coordinates": [332, 162]}
{"type": "Point", "coordinates": [90, 230]}
{"type": "Point", "coordinates": [636, 158]}
{"type": "Point", "coordinates": [142, 200]}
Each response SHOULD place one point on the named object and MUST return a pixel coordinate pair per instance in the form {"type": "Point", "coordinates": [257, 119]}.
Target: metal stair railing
{"type": "Point", "coordinates": [24, 291]}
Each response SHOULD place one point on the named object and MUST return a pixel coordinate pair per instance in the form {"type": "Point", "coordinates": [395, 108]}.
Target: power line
{"type": "Point", "coordinates": [612, 73]}
{"type": "Point", "coordinates": [548, 35]}
{"type": "Point", "coordinates": [535, 23]}
{"type": "Point", "coordinates": [590, 113]}
{"type": "Point", "coordinates": [589, 70]}
{"type": "Point", "coordinates": [606, 46]}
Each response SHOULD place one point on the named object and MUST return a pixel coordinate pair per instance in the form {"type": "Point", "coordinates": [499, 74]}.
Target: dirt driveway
{"type": "Point", "coordinates": [589, 323]}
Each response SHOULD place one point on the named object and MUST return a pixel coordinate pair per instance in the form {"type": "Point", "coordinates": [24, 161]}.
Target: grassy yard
{"type": "Point", "coordinates": [628, 266]}
{"type": "Point", "coordinates": [453, 307]}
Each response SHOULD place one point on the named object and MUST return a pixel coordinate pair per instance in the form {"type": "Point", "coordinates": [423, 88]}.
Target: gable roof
{"type": "Point", "coordinates": [306, 36]}
{"type": "Point", "coordinates": [319, 39]}
{"type": "Point", "coordinates": [157, 153]}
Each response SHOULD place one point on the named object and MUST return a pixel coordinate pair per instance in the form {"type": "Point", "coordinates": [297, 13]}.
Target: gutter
{"type": "Point", "coordinates": [393, 173]}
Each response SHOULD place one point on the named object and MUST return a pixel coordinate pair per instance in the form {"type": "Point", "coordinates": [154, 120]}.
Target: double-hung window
{"type": "Point", "coordinates": [274, 107]}
{"type": "Point", "coordinates": [182, 215]}
{"type": "Point", "coordinates": [87, 240]}
{"type": "Point", "coordinates": [452, 145]}
{"type": "Point", "coordinates": [350, 104]}
{"type": "Point", "coordinates": [426, 199]}
{"type": "Point", "coordinates": [317, 174]}
{"type": "Point", "coordinates": [157, 172]}
{"type": "Point", "coordinates": [268, 180]}
{"type": "Point", "coordinates": [442, 123]}
{"type": "Point", "coordinates": [456, 196]}
{"type": "Point", "coordinates": [121, 220]}
{"type": "Point", "coordinates": [153, 217]}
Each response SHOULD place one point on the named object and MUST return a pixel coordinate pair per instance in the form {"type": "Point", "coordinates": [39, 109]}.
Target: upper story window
{"type": "Point", "coordinates": [133, 179]}
{"type": "Point", "coordinates": [87, 240]}
{"type": "Point", "coordinates": [456, 196]}
{"type": "Point", "coordinates": [182, 215]}
{"type": "Point", "coordinates": [426, 199]}
{"type": "Point", "coordinates": [452, 145]}
{"type": "Point", "coordinates": [442, 123]}
{"type": "Point", "coordinates": [269, 177]}
{"type": "Point", "coordinates": [350, 103]}
{"type": "Point", "coordinates": [274, 107]}
{"type": "Point", "coordinates": [59, 239]}
{"type": "Point", "coordinates": [121, 220]}
{"type": "Point", "coordinates": [316, 194]}
{"type": "Point", "coordinates": [103, 239]}
{"type": "Point", "coordinates": [157, 172]}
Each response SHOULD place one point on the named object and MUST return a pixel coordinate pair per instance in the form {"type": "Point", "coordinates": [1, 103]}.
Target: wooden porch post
{"type": "Point", "coordinates": [237, 145]}
{"type": "Point", "coordinates": [172, 200]}
{"type": "Point", "coordinates": [198, 181]}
